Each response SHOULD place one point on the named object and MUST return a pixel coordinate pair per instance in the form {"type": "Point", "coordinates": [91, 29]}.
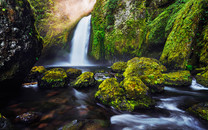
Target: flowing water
{"type": "Point", "coordinates": [61, 106]}
{"type": "Point", "coordinates": [80, 43]}
{"type": "Point", "coordinates": [79, 46]}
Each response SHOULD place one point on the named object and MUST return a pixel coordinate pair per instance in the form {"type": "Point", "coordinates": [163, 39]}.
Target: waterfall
{"type": "Point", "coordinates": [80, 42]}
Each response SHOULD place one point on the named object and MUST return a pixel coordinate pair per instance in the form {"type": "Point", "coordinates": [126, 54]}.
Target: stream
{"type": "Point", "coordinates": [61, 106]}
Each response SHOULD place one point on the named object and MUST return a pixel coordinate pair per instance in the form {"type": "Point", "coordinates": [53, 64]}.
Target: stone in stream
{"type": "Point", "coordinates": [149, 70]}
{"type": "Point", "coordinates": [53, 78]}
{"type": "Point", "coordinates": [84, 80]}
{"type": "Point", "coordinates": [202, 78]}
{"type": "Point", "coordinates": [179, 78]}
{"type": "Point", "coordinates": [129, 95]}
{"type": "Point", "coordinates": [5, 123]}
{"type": "Point", "coordinates": [73, 73]}
{"type": "Point", "coordinates": [35, 73]}
{"type": "Point", "coordinates": [20, 43]}
{"type": "Point", "coordinates": [29, 117]}
{"type": "Point", "coordinates": [119, 67]}
{"type": "Point", "coordinates": [200, 110]}
{"type": "Point", "coordinates": [87, 124]}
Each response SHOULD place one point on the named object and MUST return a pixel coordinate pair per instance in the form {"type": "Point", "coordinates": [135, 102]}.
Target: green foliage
{"type": "Point", "coordinates": [189, 67]}
{"type": "Point", "coordinates": [183, 32]}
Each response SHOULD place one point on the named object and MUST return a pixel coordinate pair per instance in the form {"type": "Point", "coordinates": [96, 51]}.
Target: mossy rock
{"type": "Point", "coordinates": [119, 67]}
{"type": "Point", "coordinates": [5, 123]}
{"type": "Point", "coordinates": [149, 70]}
{"type": "Point", "coordinates": [53, 78]}
{"type": "Point", "coordinates": [180, 41]}
{"type": "Point", "coordinates": [129, 95]}
{"type": "Point", "coordinates": [143, 66]}
{"type": "Point", "coordinates": [134, 87]}
{"type": "Point", "coordinates": [109, 90]}
{"type": "Point", "coordinates": [35, 73]}
{"type": "Point", "coordinates": [73, 73]}
{"type": "Point", "coordinates": [154, 81]}
{"type": "Point", "coordinates": [200, 110]}
{"type": "Point", "coordinates": [179, 78]}
{"type": "Point", "coordinates": [84, 80]}
{"type": "Point", "coordinates": [202, 78]}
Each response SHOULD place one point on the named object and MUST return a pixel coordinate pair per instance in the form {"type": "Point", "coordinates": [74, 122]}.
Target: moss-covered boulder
{"type": "Point", "coordinates": [53, 78]}
{"type": "Point", "coordinates": [149, 70]}
{"type": "Point", "coordinates": [179, 78]}
{"type": "Point", "coordinates": [180, 41]}
{"type": "Point", "coordinates": [35, 73]}
{"type": "Point", "coordinates": [134, 87]}
{"type": "Point", "coordinates": [5, 123]}
{"type": "Point", "coordinates": [86, 79]}
{"type": "Point", "coordinates": [129, 95]}
{"type": "Point", "coordinates": [202, 78]}
{"type": "Point", "coordinates": [200, 110]}
{"type": "Point", "coordinates": [119, 67]}
{"type": "Point", "coordinates": [73, 73]}
{"type": "Point", "coordinates": [143, 66]}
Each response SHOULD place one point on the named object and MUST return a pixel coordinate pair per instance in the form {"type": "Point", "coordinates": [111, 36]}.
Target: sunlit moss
{"type": "Point", "coordinates": [179, 78]}
{"type": "Point", "coordinates": [179, 42]}
{"type": "Point", "coordinates": [84, 80]}
{"type": "Point", "coordinates": [119, 67]}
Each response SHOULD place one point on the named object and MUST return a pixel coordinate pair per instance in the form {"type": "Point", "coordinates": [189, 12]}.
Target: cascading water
{"type": "Point", "coordinates": [80, 41]}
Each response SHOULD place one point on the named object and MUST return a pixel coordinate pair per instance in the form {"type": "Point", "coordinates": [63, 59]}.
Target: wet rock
{"type": "Point", "coordinates": [20, 43]}
{"type": "Point", "coordinates": [53, 78]}
{"type": "Point", "coordinates": [200, 110]}
{"type": "Point", "coordinates": [129, 95]}
{"type": "Point", "coordinates": [86, 124]}
{"type": "Point", "coordinates": [202, 78]}
{"type": "Point", "coordinates": [84, 80]}
{"type": "Point", "coordinates": [119, 67]}
{"type": "Point", "coordinates": [179, 78]}
{"type": "Point", "coordinates": [35, 73]}
{"type": "Point", "coordinates": [29, 117]}
{"type": "Point", "coordinates": [102, 76]}
{"type": "Point", "coordinates": [4, 123]}
{"type": "Point", "coordinates": [73, 73]}
{"type": "Point", "coordinates": [149, 70]}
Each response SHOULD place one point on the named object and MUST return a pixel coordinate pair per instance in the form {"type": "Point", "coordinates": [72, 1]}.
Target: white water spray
{"type": "Point", "coordinates": [80, 42]}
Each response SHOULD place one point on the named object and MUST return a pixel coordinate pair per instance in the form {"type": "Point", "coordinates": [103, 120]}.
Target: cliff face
{"type": "Point", "coordinates": [20, 44]}
{"type": "Point", "coordinates": [56, 20]}
{"type": "Point", "coordinates": [169, 30]}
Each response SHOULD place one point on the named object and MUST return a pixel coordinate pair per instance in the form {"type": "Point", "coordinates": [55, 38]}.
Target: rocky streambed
{"type": "Point", "coordinates": [138, 94]}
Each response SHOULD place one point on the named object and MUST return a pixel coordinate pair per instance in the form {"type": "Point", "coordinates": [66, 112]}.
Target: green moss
{"type": "Point", "coordinates": [160, 27]}
{"type": "Point", "coordinates": [111, 39]}
{"type": "Point", "coordinates": [84, 80]}
{"type": "Point", "coordinates": [119, 67]}
{"type": "Point", "coordinates": [56, 77]}
{"type": "Point", "coordinates": [39, 69]}
{"type": "Point", "coordinates": [203, 58]}
{"type": "Point", "coordinates": [143, 66]}
{"type": "Point", "coordinates": [182, 34]}
{"type": "Point", "coordinates": [129, 95]}
{"type": "Point", "coordinates": [179, 78]}
{"type": "Point", "coordinates": [134, 87]}
{"type": "Point", "coordinates": [149, 70]}
{"type": "Point", "coordinates": [109, 90]}
{"type": "Point", "coordinates": [202, 78]}
{"type": "Point", "coordinates": [200, 110]}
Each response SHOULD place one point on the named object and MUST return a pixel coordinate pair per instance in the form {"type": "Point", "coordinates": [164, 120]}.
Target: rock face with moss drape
{"type": "Point", "coordinates": [169, 30]}
{"type": "Point", "coordinates": [20, 44]}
